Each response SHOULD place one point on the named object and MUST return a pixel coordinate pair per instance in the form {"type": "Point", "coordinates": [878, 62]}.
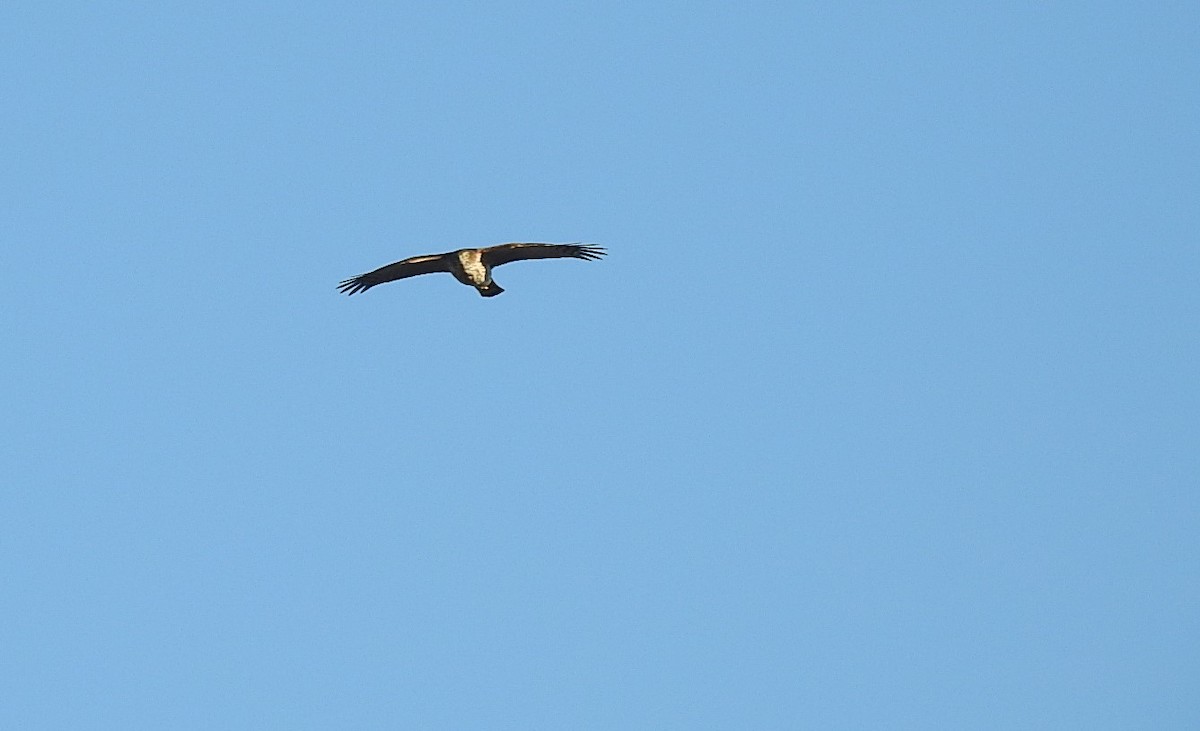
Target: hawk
{"type": "Point", "coordinates": [472, 267]}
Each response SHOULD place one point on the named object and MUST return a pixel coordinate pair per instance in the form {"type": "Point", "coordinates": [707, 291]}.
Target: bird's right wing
{"type": "Point", "coordinates": [519, 251]}
{"type": "Point", "coordinates": [411, 267]}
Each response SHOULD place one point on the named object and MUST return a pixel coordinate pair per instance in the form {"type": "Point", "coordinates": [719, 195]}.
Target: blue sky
{"type": "Point", "coordinates": [881, 413]}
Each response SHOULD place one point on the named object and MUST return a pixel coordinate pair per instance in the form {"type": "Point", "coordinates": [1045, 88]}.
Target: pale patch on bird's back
{"type": "Point", "coordinates": [471, 263]}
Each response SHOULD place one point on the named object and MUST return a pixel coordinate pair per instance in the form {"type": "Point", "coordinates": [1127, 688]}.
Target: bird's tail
{"type": "Point", "coordinates": [491, 289]}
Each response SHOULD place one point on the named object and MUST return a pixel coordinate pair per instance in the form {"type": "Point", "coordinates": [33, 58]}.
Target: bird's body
{"type": "Point", "coordinates": [467, 267]}
{"type": "Point", "coordinates": [472, 267]}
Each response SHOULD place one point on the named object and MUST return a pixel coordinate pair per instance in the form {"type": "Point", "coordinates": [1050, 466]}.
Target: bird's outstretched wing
{"type": "Point", "coordinates": [504, 253]}
{"type": "Point", "coordinates": [411, 267]}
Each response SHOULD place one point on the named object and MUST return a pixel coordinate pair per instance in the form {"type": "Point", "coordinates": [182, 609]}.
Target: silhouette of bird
{"type": "Point", "coordinates": [472, 267]}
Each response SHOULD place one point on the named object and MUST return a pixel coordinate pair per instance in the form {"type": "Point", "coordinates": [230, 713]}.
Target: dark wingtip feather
{"type": "Point", "coordinates": [589, 252]}
{"type": "Point", "coordinates": [353, 285]}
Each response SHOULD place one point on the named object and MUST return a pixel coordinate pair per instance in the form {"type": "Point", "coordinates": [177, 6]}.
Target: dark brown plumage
{"type": "Point", "coordinates": [472, 267]}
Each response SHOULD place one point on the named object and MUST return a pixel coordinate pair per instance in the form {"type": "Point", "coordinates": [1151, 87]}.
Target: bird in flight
{"type": "Point", "coordinates": [472, 267]}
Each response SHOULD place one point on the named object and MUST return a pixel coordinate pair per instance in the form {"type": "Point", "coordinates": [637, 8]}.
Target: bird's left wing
{"type": "Point", "coordinates": [505, 253]}
{"type": "Point", "coordinates": [411, 267]}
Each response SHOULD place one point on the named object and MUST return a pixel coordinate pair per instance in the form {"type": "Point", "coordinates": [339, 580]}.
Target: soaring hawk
{"type": "Point", "coordinates": [472, 267]}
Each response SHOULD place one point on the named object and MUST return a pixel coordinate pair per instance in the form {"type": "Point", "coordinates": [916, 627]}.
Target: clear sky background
{"type": "Point", "coordinates": [883, 411]}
